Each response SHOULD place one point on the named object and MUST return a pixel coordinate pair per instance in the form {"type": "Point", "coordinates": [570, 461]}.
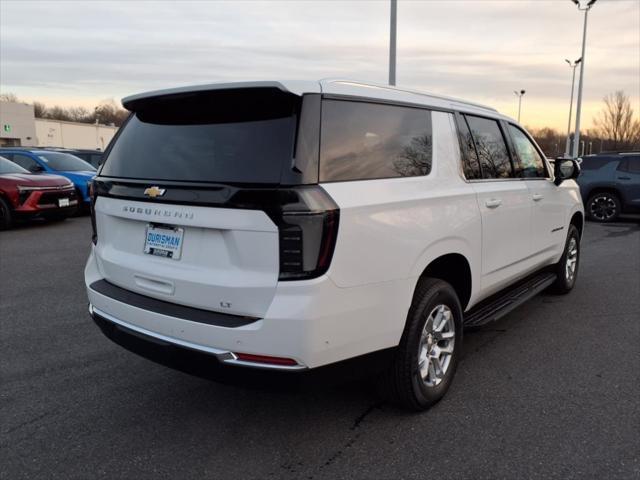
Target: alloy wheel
{"type": "Point", "coordinates": [603, 207]}
{"type": "Point", "coordinates": [435, 349]}
{"type": "Point", "coordinates": [572, 260]}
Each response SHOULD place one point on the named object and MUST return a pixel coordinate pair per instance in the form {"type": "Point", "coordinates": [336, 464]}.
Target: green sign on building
{"type": "Point", "coordinates": [6, 127]}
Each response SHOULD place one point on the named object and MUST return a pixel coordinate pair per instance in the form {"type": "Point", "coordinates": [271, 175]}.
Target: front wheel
{"type": "Point", "coordinates": [567, 268]}
{"type": "Point", "coordinates": [426, 359]}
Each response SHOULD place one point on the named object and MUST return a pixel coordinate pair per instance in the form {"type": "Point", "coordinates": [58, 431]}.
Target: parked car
{"type": "Point", "coordinates": [294, 225]}
{"type": "Point", "coordinates": [60, 163]}
{"type": "Point", "coordinates": [26, 195]}
{"type": "Point", "coordinates": [610, 185]}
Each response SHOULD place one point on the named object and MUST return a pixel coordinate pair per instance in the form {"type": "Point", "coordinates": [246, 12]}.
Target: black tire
{"type": "Point", "coordinates": [603, 207]}
{"type": "Point", "coordinates": [6, 215]}
{"type": "Point", "coordinates": [566, 278]}
{"type": "Point", "coordinates": [403, 383]}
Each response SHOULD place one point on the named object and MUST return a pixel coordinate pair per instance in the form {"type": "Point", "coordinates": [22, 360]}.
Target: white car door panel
{"type": "Point", "coordinates": [505, 207]}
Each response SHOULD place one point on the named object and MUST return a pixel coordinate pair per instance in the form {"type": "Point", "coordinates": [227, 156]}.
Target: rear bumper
{"type": "Point", "coordinates": [313, 322]}
{"type": "Point", "coordinates": [212, 365]}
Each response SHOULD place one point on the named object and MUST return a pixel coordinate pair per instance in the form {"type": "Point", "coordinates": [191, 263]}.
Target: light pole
{"type": "Point", "coordinates": [392, 42]}
{"type": "Point", "coordinates": [567, 150]}
{"type": "Point", "coordinates": [584, 5]}
{"type": "Point", "coordinates": [519, 94]}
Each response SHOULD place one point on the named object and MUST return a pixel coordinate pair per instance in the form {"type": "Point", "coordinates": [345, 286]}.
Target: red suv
{"type": "Point", "coordinates": [24, 194]}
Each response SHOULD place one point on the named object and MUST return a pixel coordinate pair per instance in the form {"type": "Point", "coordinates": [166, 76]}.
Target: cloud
{"type": "Point", "coordinates": [475, 49]}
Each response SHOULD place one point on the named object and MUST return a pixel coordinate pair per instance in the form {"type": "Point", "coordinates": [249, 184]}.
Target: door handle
{"type": "Point", "coordinates": [493, 203]}
{"type": "Point", "coordinates": [537, 197]}
{"type": "Point", "coordinates": [624, 178]}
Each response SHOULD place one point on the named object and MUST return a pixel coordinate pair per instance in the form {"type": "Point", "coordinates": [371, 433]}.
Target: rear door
{"type": "Point", "coordinates": [504, 203]}
{"type": "Point", "coordinates": [628, 180]}
{"type": "Point", "coordinates": [169, 223]}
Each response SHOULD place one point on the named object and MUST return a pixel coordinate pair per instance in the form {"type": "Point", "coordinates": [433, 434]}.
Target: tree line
{"type": "Point", "coordinates": [616, 127]}
{"type": "Point", "coordinates": [106, 112]}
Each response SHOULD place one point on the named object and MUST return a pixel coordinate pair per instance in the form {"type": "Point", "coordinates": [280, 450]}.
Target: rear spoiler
{"type": "Point", "coordinates": [294, 87]}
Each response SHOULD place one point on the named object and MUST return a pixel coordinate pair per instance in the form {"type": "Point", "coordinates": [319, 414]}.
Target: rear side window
{"type": "Point", "coordinates": [470, 162]}
{"type": "Point", "coordinates": [530, 163]}
{"type": "Point", "coordinates": [595, 163]}
{"type": "Point", "coordinates": [490, 146]}
{"type": "Point", "coordinates": [231, 136]}
{"type": "Point", "coordinates": [362, 141]}
{"type": "Point", "coordinates": [631, 164]}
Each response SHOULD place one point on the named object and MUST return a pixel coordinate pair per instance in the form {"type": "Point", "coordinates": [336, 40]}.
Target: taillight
{"type": "Point", "coordinates": [92, 195]}
{"type": "Point", "coordinates": [308, 229]}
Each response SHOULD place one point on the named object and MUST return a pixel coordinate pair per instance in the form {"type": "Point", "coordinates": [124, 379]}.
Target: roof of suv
{"type": "Point", "coordinates": [336, 87]}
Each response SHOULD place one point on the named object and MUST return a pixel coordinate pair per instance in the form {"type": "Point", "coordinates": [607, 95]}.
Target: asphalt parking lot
{"type": "Point", "coordinates": [550, 391]}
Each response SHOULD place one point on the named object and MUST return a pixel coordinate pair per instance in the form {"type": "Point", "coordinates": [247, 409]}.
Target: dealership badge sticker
{"type": "Point", "coordinates": [154, 191]}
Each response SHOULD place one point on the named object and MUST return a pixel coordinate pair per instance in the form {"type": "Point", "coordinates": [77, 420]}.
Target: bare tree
{"type": "Point", "coordinates": [39, 110]}
{"type": "Point", "coordinates": [9, 97]}
{"type": "Point", "coordinates": [616, 123]}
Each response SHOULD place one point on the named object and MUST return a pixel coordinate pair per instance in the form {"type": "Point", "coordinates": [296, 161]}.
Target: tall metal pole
{"type": "Point", "coordinates": [576, 137]}
{"type": "Point", "coordinates": [392, 42]}
{"type": "Point", "coordinates": [567, 150]}
{"type": "Point", "coordinates": [519, 106]}
{"type": "Point", "coordinates": [519, 94]}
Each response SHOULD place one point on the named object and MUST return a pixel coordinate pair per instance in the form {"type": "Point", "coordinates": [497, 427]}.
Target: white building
{"type": "Point", "coordinates": [21, 128]}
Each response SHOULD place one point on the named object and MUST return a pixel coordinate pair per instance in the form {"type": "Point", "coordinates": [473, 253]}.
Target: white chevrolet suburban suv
{"type": "Point", "coordinates": [295, 225]}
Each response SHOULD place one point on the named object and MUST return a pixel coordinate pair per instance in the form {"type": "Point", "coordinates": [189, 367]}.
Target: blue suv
{"type": "Point", "coordinates": [47, 161]}
{"type": "Point", "coordinates": [610, 185]}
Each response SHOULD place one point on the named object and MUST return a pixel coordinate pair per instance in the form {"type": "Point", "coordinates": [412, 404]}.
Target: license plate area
{"type": "Point", "coordinates": [163, 241]}
{"type": "Point", "coordinates": [63, 202]}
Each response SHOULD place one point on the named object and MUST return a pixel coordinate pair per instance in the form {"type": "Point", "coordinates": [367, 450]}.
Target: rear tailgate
{"type": "Point", "coordinates": [228, 258]}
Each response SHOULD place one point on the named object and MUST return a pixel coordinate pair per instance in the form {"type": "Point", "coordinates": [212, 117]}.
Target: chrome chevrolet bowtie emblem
{"type": "Point", "coordinates": [154, 191]}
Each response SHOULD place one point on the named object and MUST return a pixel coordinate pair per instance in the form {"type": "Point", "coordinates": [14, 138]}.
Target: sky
{"type": "Point", "coordinates": [83, 52]}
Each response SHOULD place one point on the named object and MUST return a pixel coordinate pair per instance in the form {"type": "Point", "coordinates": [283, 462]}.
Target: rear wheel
{"type": "Point", "coordinates": [567, 268]}
{"type": "Point", "coordinates": [6, 215]}
{"type": "Point", "coordinates": [426, 359]}
{"type": "Point", "coordinates": [603, 207]}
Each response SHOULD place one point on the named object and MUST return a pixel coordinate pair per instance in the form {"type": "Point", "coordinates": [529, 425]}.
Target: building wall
{"type": "Point", "coordinates": [18, 118]}
{"type": "Point", "coordinates": [55, 133]}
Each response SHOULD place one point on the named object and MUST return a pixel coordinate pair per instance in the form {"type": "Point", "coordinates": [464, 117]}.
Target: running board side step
{"type": "Point", "coordinates": [502, 303]}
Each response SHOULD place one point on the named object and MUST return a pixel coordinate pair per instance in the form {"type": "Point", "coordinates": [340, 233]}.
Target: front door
{"type": "Point", "coordinates": [548, 231]}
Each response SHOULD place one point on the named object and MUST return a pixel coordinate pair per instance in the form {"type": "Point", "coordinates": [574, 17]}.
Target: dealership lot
{"type": "Point", "coordinates": [549, 391]}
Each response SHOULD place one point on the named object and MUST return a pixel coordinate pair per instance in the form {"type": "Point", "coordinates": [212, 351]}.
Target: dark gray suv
{"type": "Point", "coordinates": [610, 185]}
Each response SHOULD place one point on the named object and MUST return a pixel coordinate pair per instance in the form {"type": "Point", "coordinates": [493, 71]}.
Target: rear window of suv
{"type": "Point", "coordinates": [234, 136]}
{"type": "Point", "coordinates": [362, 141]}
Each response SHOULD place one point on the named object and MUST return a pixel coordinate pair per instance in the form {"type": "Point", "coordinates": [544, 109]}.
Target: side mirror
{"type": "Point", "coordinates": [36, 168]}
{"type": "Point", "coordinates": [565, 169]}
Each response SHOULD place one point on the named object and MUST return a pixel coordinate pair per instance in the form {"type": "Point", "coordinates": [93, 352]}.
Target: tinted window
{"type": "Point", "coordinates": [7, 166]}
{"type": "Point", "coordinates": [235, 136]}
{"type": "Point", "coordinates": [490, 147]}
{"type": "Point", "coordinates": [631, 164]}
{"type": "Point", "coordinates": [64, 162]}
{"type": "Point", "coordinates": [595, 163]}
{"type": "Point", "coordinates": [24, 161]}
{"type": "Point", "coordinates": [470, 162]}
{"type": "Point", "coordinates": [365, 141]}
{"type": "Point", "coordinates": [530, 162]}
